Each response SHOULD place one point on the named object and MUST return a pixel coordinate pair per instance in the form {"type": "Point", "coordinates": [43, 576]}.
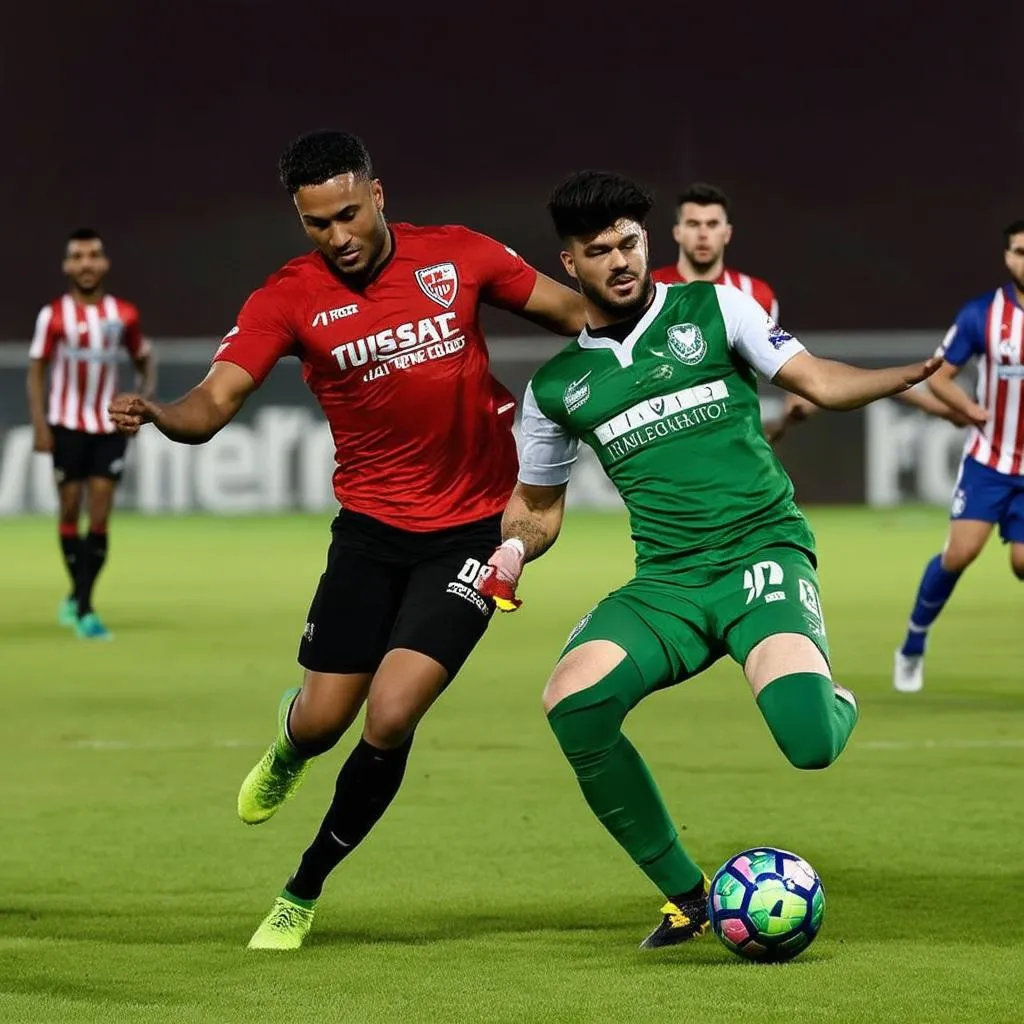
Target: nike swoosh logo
{"type": "Point", "coordinates": [577, 383]}
{"type": "Point", "coordinates": [341, 842]}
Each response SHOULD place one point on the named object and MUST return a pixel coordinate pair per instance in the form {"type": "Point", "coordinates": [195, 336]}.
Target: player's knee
{"type": "Point", "coordinates": [1017, 560]}
{"type": "Point", "coordinates": [587, 726]}
{"type": "Point", "coordinates": [813, 753]}
{"type": "Point", "coordinates": [389, 727]}
{"type": "Point", "coordinates": [959, 557]}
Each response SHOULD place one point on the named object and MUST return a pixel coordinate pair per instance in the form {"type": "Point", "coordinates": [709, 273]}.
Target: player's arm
{"type": "Point", "coordinates": [795, 410]}
{"type": "Point", "coordinates": [945, 389]}
{"type": "Point", "coordinates": [922, 398]}
{"type": "Point", "coordinates": [839, 386]}
{"type": "Point", "coordinates": [779, 357]}
{"type": "Point", "coordinates": [509, 282]}
{"type": "Point", "coordinates": [553, 306]}
{"type": "Point", "coordinates": [247, 354]}
{"type": "Point", "coordinates": [41, 350]}
{"type": "Point", "coordinates": [533, 516]}
{"type": "Point", "coordinates": [194, 418]}
{"type": "Point", "coordinates": [141, 354]}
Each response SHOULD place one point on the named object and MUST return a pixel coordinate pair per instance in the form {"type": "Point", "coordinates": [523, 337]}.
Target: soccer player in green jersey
{"type": "Point", "coordinates": [662, 385]}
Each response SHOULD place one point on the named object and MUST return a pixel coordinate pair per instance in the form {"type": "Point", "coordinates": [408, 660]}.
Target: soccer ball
{"type": "Point", "coordinates": [766, 904]}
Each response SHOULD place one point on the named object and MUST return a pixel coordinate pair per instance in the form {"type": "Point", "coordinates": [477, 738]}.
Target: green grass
{"type": "Point", "coordinates": [488, 893]}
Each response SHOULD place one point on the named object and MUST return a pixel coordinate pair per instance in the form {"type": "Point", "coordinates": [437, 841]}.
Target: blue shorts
{"type": "Point", "coordinates": [990, 496]}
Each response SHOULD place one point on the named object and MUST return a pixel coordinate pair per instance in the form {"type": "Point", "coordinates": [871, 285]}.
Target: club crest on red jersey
{"type": "Point", "coordinates": [439, 282]}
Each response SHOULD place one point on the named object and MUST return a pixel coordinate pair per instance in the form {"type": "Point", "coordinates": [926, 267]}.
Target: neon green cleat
{"type": "Point", "coordinates": [67, 613]}
{"type": "Point", "coordinates": [89, 627]}
{"type": "Point", "coordinates": [285, 927]}
{"type": "Point", "coordinates": [274, 778]}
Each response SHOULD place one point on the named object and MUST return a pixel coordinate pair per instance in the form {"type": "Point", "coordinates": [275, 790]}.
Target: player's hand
{"type": "Point", "coordinates": [958, 419]}
{"type": "Point", "coordinates": [975, 415]}
{"type": "Point", "coordinates": [129, 412]}
{"type": "Point", "coordinates": [43, 441]}
{"type": "Point", "coordinates": [795, 410]}
{"type": "Point", "coordinates": [501, 576]}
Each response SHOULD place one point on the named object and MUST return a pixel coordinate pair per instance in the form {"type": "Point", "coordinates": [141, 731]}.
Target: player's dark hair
{"type": "Point", "coordinates": [314, 158]}
{"type": "Point", "coordinates": [1015, 227]}
{"type": "Point", "coordinates": [591, 201]}
{"type": "Point", "coordinates": [703, 194]}
{"type": "Point", "coordinates": [84, 235]}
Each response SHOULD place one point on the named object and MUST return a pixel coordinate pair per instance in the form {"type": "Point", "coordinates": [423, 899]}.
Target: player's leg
{"type": "Point", "coordinates": [100, 502]}
{"type": "Point", "coordinates": [69, 474]}
{"type": "Point", "coordinates": [769, 613]}
{"type": "Point", "coordinates": [979, 502]}
{"type": "Point", "coordinates": [345, 637]}
{"type": "Point", "coordinates": [1011, 528]}
{"type": "Point", "coordinates": [440, 621]}
{"type": "Point", "coordinates": [613, 660]}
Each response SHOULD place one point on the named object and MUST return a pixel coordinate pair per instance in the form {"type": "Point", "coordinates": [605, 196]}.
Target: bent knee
{"type": "Point", "coordinates": [813, 757]}
{"type": "Point", "coordinates": [389, 727]}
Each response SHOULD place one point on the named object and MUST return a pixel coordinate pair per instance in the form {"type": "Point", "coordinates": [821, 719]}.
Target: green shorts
{"type": "Point", "coordinates": [673, 631]}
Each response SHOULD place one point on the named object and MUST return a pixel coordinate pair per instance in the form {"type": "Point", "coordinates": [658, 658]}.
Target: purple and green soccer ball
{"type": "Point", "coordinates": [766, 904]}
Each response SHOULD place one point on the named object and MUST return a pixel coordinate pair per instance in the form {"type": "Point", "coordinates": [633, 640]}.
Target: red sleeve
{"type": "Point", "coordinates": [506, 279]}
{"type": "Point", "coordinates": [766, 299]}
{"type": "Point", "coordinates": [133, 338]}
{"type": "Point", "coordinates": [44, 337]}
{"type": "Point", "coordinates": [261, 336]}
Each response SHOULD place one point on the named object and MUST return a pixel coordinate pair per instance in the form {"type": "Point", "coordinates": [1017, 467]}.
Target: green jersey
{"type": "Point", "coordinates": [673, 415]}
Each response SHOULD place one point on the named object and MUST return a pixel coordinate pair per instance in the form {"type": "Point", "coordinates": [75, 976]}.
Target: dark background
{"type": "Point", "coordinates": [873, 154]}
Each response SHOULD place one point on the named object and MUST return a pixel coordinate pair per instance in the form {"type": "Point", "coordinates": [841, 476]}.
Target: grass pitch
{"type": "Point", "coordinates": [488, 893]}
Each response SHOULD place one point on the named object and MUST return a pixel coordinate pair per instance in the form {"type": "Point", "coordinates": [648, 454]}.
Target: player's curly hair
{"type": "Point", "coordinates": [314, 158]}
{"type": "Point", "coordinates": [703, 194]}
{"type": "Point", "coordinates": [591, 201]}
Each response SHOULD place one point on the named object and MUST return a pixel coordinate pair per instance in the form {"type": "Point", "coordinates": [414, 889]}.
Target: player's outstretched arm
{"type": "Point", "coordinates": [196, 417]}
{"type": "Point", "coordinates": [530, 525]}
{"type": "Point", "coordinates": [555, 307]}
{"type": "Point", "coordinates": [833, 385]}
{"type": "Point", "coordinates": [922, 398]}
{"type": "Point", "coordinates": [944, 387]}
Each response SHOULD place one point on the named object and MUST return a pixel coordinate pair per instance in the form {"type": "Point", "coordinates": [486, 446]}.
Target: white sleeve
{"type": "Point", "coordinates": [39, 349]}
{"type": "Point", "coordinates": [547, 450]}
{"type": "Point", "coordinates": [754, 334]}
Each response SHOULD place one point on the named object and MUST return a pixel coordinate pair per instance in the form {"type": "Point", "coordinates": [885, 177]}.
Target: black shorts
{"type": "Point", "coordinates": [78, 455]}
{"type": "Point", "coordinates": [385, 588]}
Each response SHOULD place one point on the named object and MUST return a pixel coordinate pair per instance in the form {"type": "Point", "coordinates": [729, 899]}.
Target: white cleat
{"type": "Point", "coordinates": [908, 672]}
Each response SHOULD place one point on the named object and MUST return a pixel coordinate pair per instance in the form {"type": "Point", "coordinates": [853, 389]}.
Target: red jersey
{"type": "Point", "coordinates": [422, 431]}
{"type": "Point", "coordinates": [757, 289]}
{"type": "Point", "coordinates": [83, 343]}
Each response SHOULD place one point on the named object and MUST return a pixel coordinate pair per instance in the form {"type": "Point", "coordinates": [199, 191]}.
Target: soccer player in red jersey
{"type": "Point", "coordinates": [385, 320]}
{"type": "Point", "coordinates": [78, 341]}
{"type": "Point", "coordinates": [702, 231]}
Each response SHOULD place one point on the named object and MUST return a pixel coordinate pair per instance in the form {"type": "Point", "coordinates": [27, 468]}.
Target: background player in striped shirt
{"type": "Point", "coordinates": [702, 231]}
{"type": "Point", "coordinates": [990, 487]}
{"type": "Point", "coordinates": [80, 339]}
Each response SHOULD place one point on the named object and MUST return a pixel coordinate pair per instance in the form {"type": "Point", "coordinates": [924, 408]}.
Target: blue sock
{"type": "Point", "coordinates": [936, 586]}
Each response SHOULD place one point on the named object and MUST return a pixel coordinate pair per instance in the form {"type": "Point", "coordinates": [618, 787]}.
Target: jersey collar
{"type": "Point", "coordinates": [624, 349]}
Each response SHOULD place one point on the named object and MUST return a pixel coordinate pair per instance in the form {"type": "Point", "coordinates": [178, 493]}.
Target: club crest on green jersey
{"type": "Point", "coordinates": [687, 344]}
{"type": "Point", "coordinates": [577, 393]}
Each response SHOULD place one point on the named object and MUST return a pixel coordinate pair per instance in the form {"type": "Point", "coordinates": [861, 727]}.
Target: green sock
{"type": "Point", "coordinates": [291, 898]}
{"type": "Point", "coordinates": [283, 746]}
{"type": "Point", "coordinates": [617, 784]}
{"type": "Point", "coordinates": [810, 723]}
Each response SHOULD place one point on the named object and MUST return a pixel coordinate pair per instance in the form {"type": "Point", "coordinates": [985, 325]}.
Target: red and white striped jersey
{"type": "Point", "coordinates": [757, 289]}
{"type": "Point", "coordinates": [83, 344]}
{"type": "Point", "coordinates": [991, 329]}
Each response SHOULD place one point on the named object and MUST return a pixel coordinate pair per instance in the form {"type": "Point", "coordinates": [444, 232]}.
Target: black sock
{"type": "Point", "coordinates": [90, 561]}
{"type": "Point", "coordinates": [367, 783]}
{"type": "Point", "coordinates": [71, 548]}
{"type": "Point", "coordinates": [691, 895]}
